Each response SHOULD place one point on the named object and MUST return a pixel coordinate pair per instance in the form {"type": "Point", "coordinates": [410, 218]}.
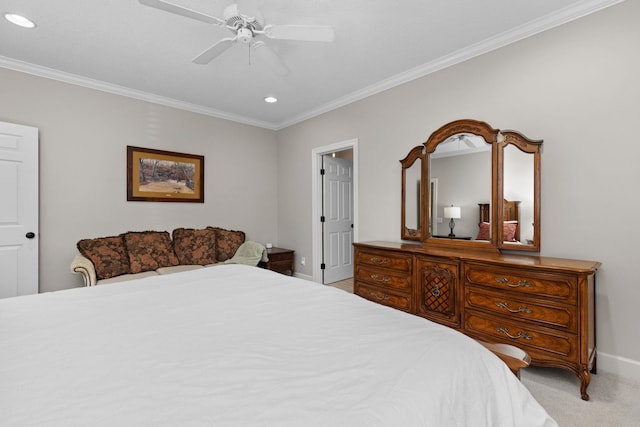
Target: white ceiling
{"type": "Point", "coordinates": [124, 47]}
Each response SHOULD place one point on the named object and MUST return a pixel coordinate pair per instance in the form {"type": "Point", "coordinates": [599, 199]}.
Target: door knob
{"type": "Point", "coordinates": [30, 235]}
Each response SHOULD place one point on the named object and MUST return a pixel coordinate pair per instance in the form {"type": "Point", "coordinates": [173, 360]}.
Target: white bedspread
{"type": "Point", "coordinates": [235, 345]}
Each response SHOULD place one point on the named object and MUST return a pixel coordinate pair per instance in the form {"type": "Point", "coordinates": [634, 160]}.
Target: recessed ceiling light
{"type": "Point", "coordinates": [271, 99]}
{"type": "Point", "coordinates": [19, 20]}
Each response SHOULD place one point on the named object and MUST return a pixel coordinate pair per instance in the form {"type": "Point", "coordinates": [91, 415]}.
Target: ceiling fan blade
{"type": "Point", "coordinates": [182, 11]}
{"type": "Point", "coordinates": [469, 143]}
{"type": "Point", "coordinates": [265, 54]}
{"type": "Point", "coordinates": [310, 33]}
{"type": "Point", "coordinates": [466, 141]}
{"type": "Point", "coordinates": [214, 51]}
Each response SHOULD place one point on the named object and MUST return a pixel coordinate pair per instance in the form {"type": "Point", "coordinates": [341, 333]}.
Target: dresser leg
{"type": "Point", "coordinates": [585, 379]}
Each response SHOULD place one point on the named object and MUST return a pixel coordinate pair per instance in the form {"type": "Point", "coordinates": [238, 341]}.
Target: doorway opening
{"type": "Point", "coordinates": [322, 242]}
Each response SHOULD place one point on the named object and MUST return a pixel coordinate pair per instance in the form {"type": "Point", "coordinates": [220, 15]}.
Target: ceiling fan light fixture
{"type": "Point", "coordinates": [19, 20]}
{"type": "Point", "coordinates": [270, 99]}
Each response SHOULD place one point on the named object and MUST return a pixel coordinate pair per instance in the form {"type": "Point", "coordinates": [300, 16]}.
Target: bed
{"type": "Point", "coordinates": [235, 345]}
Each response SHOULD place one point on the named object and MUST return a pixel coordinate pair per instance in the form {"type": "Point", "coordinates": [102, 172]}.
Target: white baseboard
{"type": "Point", "coordinates": [620, 366]}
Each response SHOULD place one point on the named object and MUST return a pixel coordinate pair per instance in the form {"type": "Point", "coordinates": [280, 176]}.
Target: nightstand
{"type": "Point", "coordinates": [280, 260]}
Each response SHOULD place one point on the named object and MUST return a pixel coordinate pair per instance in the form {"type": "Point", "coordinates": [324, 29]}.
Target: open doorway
{"type": "Point", "coordinates": [334, 207]}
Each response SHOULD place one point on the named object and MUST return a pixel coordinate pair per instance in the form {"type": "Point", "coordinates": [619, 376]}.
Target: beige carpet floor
{"type": "Point", "coordinates": [614, 401]}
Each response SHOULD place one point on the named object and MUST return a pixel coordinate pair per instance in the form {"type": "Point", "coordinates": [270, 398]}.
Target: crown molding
{"type": "Point", "coordinates": [563, 16]}
{"type": "Point", "coordinates": [529, 29]}
{"type": "Point", "coordinates": [77, 80]}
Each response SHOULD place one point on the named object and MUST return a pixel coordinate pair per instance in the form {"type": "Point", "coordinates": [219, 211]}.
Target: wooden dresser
{"type": "Point", "coordinates": [546, 306]}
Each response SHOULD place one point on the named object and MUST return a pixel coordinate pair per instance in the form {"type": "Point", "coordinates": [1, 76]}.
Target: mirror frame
{"type": "Point", "coordinates": [417, 153]}
{"type": "Point", "coordinates": [528, 146]}
{"type": "Point", "coordinates": [490, 136]}
{"type": "Point", "coordinates": [498, 140]}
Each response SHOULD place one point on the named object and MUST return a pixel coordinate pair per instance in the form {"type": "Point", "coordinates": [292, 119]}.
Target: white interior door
{"type": "Point", "coordinates": [18, 210]}
{"type": "Point", "coordinates": [338, 219]}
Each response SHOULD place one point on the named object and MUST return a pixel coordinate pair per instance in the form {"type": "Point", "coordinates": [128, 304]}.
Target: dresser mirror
{"type": "Point", "coordinates": [519, 190]}
{"type": "Point", "coordinates": [483, 189]}
{"type": "Point", "coordinates": [413, 195]}
{"type": "Point", "coordinates": [461, 167]}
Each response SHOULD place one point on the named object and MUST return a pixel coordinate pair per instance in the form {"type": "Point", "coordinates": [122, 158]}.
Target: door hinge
{"type": "Point", "coordinates": [322, 266]}
{"type": "Point", "coordinates": [322, 218]}
{"type": "Point", "coordinates": [321, 171]}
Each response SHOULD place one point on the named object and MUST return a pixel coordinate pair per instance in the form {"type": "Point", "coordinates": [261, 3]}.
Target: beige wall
{"type": "Point", "coordinates": [83, 139]}
{"type": "Point", "coordinates": [577, 87]}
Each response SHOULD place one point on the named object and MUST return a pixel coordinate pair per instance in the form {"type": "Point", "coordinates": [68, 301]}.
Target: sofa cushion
{"type": "Point", "coordinates": [108, 255]}
{"type": "Point", "coordinates": [195, 247]}
{"type": "Point", "coordinates": [227, 242]}
{"type": "Point", "coordinates": [149, 250]}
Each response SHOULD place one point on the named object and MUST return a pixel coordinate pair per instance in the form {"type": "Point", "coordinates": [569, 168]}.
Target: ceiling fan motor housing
{"type": "Point", "coordinates": [245, 35]}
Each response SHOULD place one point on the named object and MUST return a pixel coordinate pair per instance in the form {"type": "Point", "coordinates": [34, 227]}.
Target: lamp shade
{"type": "Point", "coordinates": [452, 212]}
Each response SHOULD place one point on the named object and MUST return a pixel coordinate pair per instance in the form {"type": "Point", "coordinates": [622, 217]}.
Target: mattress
{"type": "Point", "coordinates": [235, 345]}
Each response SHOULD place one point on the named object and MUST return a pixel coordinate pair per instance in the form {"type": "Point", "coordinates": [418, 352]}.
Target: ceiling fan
{"type": "Point", "coordinates": [245, 29]}
{"type": "Point", "coordinates": [469, 140]}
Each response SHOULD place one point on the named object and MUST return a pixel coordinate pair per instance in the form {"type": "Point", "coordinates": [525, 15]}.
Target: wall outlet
{"type": "Point", "coordinates": [303, 261]}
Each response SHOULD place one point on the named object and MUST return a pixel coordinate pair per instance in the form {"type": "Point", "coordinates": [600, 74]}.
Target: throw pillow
{"type": "Point", "coordinates": [227, 242]}
{"type": "Point", "coordinates": [485, 231]}
{"type": "Point", "coordinates": [108, 255]}
{"type": "Point", "coordinates": [509, 231]}
{"type": "Point", "coordinates": [149, 250]}
{"type": "Point", "coordinates": [195, 247]}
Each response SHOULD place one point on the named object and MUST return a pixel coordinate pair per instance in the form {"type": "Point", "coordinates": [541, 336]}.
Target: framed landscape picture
{"type": "Point", "coordinates": [164, 176]}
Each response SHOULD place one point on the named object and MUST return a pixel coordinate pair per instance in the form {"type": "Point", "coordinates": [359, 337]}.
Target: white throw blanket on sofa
{"type": "Point", "coordinates": [249, 253]}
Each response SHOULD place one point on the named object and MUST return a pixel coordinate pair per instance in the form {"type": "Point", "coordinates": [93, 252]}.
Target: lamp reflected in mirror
{"type": "Point", "coordinates": [453, 213]}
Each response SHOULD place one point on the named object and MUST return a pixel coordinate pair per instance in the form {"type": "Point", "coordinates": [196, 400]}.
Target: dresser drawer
{"type": "Point", "coordinates": [540, 343]}
{"type": "Point", "coordinates": [560, 287]}
{"type": "Point", "coordinates": [384, 277]}
{"type": "Point", "coordinates": [555, 316]}
{"type": "Point", "coordinates": [389, 260]}
{"type": "Point", "coordinates": [384, 296]}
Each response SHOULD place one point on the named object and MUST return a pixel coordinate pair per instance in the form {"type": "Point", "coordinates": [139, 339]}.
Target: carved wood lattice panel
{"type": "Point", "coordinates": [437, 288]}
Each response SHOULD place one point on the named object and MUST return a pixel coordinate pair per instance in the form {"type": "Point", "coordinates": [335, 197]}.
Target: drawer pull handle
{"type": "Point", "coordinates": [521, 309]}
{"type": "Point", "coordinates": [377, 278]}
{"type": "Point", "coordinates": [520, 284]}
{"type": "Point", "coordinates": [519, 335]}
{"type": "Point", "coordinates": [380, 297]}
{"type": "Point", "coordinates": [435, 291]}
{"type": "Point", "coordinates": [380, 261]}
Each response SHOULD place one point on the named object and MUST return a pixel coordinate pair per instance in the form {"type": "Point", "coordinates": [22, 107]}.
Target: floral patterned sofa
{"type": "Point", "coordinates": [137, 254]}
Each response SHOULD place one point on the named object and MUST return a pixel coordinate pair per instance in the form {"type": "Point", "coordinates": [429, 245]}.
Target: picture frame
{"type": "Point", "coordinates": [164, 176]}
